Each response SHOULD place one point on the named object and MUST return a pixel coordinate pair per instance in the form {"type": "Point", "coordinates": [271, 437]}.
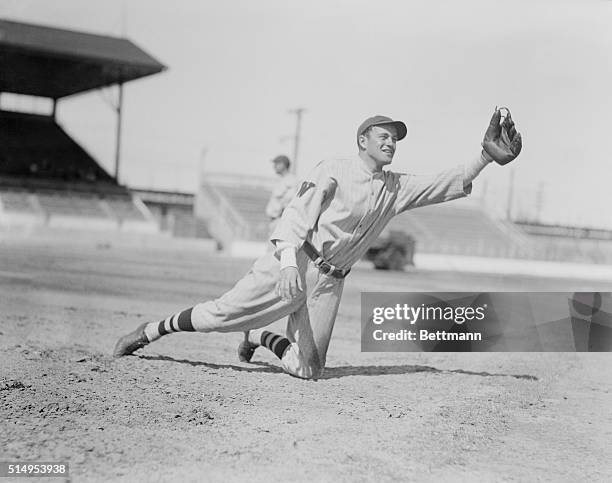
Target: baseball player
{"type": "Point", "coordinates": [338, 211]}
{"type": "Point", "coordinates": [283, 190]}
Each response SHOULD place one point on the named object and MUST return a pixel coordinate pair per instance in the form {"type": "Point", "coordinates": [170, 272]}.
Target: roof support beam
{"type": "Point", "coordinates": [119, 110]}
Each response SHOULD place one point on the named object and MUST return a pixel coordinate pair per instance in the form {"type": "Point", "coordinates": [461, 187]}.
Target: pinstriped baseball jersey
{"type": "Point", "coordinates": [342, 206]}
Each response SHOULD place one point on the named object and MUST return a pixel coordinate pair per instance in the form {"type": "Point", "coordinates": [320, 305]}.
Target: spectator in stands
{"type": "Point", "coordinates": [283, 190]}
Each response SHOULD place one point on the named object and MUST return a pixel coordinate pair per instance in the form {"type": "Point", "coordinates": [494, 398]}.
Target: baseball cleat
{"type": "Point", "coordinates": [131, 342]}
{"type": "Point", "coordinates": [246, 351]}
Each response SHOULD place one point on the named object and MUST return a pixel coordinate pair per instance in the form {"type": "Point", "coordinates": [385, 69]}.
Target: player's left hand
{"type": "Point", "coordinates": [502, 143]}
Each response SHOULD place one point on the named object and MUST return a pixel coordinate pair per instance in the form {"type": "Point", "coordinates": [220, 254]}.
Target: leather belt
{"type": "Point", "coordinates": [323, 266]}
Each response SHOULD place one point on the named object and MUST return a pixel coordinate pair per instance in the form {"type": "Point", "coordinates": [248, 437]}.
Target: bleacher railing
{"type": "Point", "coordinates": [225, 224]}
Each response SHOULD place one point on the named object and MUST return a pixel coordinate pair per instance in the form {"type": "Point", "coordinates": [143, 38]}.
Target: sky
{"type": "Point", "coordinates": [236, 68]}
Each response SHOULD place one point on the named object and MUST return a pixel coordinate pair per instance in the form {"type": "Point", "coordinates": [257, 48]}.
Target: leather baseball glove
{"type": "Point", "coordinates": [502, 143]}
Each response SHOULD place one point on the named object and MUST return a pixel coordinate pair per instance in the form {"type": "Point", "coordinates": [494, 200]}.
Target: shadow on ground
{"type": "Point", "coordinates": [342, 371]}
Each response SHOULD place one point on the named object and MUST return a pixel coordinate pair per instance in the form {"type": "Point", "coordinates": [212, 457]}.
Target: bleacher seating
{"type": "Point", "coordinates": [70, 205]}
{"type": "Point", "coordinates": [36, 147]}
{"type": "Point", "coordinates": [250, 202]}
{"type": "Point", "coordinates": [46, 175]}
{"type": "Point", "coordinates": [185, 225]}
{"type": "Point", "coordinates": [49, 206]}
{"type": "Point", "coordinates": [17, 202]}
{"type": "Point", "coordinates": [465, 230]}
{"type": "Point", "coordinates": [66, 203]}
{"type": "Point", "coordinates": [455, 228]}
{"type": "Point", "coordinates": [124, 209]}
{"type": "Point", "coordinates": [28, 183]}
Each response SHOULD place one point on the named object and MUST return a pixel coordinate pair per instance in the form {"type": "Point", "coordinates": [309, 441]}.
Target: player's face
{"type": "Point", "coordinates": [280, 168]}
{"type": "Point", "coordinates": [380, 144]}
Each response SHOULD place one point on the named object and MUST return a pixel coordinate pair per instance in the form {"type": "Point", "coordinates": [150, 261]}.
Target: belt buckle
{"type": "Point", "coordinates": [326, 268]}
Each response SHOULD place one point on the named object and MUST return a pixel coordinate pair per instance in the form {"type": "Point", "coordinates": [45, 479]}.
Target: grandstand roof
{"type": "Point", "coordinates": [49, 62]}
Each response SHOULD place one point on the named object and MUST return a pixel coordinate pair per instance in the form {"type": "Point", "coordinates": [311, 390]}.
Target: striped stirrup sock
{"type": "Point", "coordinates": [276, 343]}
{"type": "Point", "coordinates": [179, 322]}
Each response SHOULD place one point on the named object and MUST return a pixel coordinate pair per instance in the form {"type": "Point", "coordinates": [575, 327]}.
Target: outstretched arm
{"type": "Point", "coordinates": [428, 189]}
{"type": "Point", "coordinates": [473, 168]}
{"type": "Point", "coordinates": [502, 144]}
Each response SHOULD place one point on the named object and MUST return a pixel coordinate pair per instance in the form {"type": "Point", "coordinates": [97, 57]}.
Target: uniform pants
{"type": "Point", "coordinates": [253, 303]}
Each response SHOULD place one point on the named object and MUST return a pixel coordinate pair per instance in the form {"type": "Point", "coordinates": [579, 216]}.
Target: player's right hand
{"type": "Point", "coordinates": [290, 284]}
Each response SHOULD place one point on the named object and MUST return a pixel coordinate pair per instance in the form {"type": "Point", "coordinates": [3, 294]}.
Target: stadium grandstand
{"type": "Point", "coordinates": [46, 178]}
{"type": "Point", "coordinates": [173, 212]}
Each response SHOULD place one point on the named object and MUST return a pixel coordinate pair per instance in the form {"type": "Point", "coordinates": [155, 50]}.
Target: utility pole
{"type": "Point", "coordinates": [119, 111]}
{"type": "Point", "coordinates": [296, 140]}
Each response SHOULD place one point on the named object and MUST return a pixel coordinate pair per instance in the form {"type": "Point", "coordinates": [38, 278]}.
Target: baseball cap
{"type": "Point", "coordinates": [379, 120]}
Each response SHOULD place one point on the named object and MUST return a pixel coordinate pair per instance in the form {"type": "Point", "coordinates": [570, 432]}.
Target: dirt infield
{"type": "Point", "coordinates": [185, 409]}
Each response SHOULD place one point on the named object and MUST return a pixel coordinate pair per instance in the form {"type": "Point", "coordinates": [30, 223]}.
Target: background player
{"type": "Point", "coordinates": [283, 190]}
{"type": "Point", "coordinates": [339, 210]}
